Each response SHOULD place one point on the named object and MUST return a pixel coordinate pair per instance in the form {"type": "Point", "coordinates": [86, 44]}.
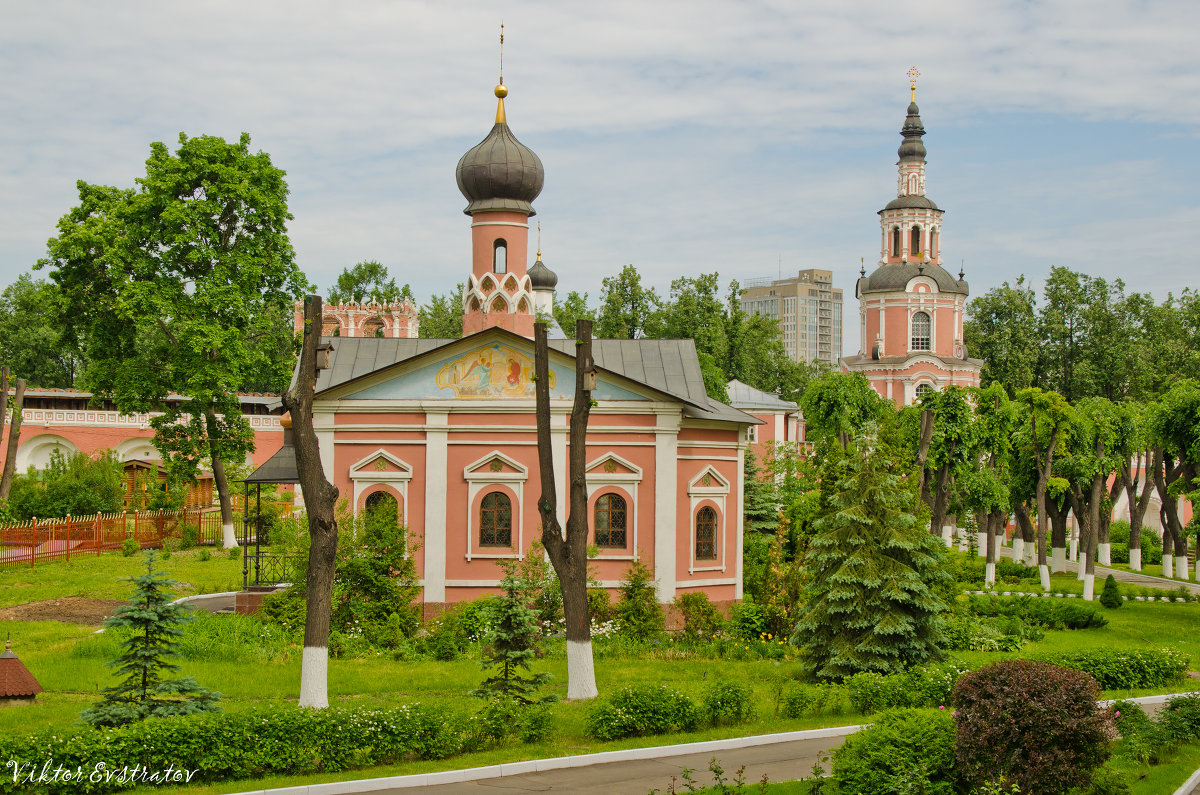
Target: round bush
{"type": "Point", "coordinates": [728, 703]}
{"type": "Point", "coordinates": [641, 710]}
{"type": "Point", "coordinates": [914, 746]}
{"type": "Point", "coordinates": [1034, 723]}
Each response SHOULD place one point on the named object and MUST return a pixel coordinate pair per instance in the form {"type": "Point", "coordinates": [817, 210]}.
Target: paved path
{"type": "Point", "coordinates": [1145, 577]}
{"type": "Point", "coordinates": [779, 761]}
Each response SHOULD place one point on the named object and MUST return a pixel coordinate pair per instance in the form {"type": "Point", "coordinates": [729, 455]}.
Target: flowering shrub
{"type": "Point", "coordinates": [282, 741]}
{"type": "Point", "coordinates": [641, 710]}
{"type": "Point", "coordinates": [922, 686]}
{"type": "Point", "coordinates": [800, 700]}
{"type": "Point", "coordinates": [728, 703]}
{"type": "Point", "coordinates": [1125, 669]}
{"type": "Point", "coordinates": [915, 746]}
{"type": "Point", "coordinates": [1034, 723]}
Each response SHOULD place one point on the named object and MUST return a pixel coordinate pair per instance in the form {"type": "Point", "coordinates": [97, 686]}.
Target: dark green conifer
{"type": "Point", "coordinates": [1110, 597]}
{"type": "Point", "coordinates": [871, 603]}
{"type": "Point", "coordinates": [153, 625]}
{"type": "Point", "coordinates": [512, 645]}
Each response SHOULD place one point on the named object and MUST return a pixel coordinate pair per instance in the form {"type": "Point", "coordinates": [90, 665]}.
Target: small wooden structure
{"type": "Point", "coordinates": [17, 685]}
{"type": "Point", "coordinates": [141, 477]}
{"type": "Point", "coordinates": [264, 569]}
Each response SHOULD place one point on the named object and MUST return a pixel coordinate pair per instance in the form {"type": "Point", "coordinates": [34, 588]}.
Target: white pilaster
{"type": "Point", "coordinates": [741, 518]}
{"type": "Point", "coordinates": [666, 523]}
{"type": "Point", "coordinates": [436, 474]}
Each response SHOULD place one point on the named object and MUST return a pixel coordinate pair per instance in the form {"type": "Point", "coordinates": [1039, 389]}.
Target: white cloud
{"type": "Point", "coordinates": [680, 136]}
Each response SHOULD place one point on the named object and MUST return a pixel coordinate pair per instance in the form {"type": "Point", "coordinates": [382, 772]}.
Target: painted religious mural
{"type": "Point", "coordinates": [489, 372]}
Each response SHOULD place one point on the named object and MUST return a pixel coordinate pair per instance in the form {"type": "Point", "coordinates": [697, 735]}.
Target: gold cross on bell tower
{"type": "Point", "coordinates": [913, 74]}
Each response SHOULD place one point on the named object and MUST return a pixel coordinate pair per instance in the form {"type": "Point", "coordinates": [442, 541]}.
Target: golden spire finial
{"type": "Point", "coordinates": [539, 254]}
{"type": "Point", "coordinates": [501, 89]}
{"type": "Point", "coordinates": [913, 74]}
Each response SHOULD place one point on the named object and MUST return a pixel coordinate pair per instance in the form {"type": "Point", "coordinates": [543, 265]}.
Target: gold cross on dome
{"type": "Point", "coordinates": [913, 74]}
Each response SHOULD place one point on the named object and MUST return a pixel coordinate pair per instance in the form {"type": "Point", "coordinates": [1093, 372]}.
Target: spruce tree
{"type": "Point", "coordinates": [513, 643]}
{"type": "Point", "coordinates": [870, 602]}
{"type": "Point", "coordinates": [153, 625]}
{"type": "Point", "coordinates": [1110, 597]}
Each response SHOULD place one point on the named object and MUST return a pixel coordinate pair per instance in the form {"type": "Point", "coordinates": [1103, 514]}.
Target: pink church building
{"type": "Point", "coordinates": [446, 428]}
{"type": "Point", "coordinates": [910, 308]}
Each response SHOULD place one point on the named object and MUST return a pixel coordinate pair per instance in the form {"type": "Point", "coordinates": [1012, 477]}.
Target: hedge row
{"type": "Point", "coordinates": [223, 746]}
{"type": "Point", "coordinates": [1124, 669]}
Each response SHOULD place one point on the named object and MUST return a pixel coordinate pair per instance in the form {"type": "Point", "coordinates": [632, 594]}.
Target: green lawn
{"type": "Point", "coordinates": [69, 661]}
{"type": "Point", "coordinates": [98, 577]}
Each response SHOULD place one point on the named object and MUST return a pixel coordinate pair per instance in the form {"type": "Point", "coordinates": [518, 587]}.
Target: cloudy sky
{"type": "Point", "coordinates": [681, 137]}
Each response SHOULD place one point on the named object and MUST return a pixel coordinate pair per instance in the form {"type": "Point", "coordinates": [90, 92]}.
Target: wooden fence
{"type": "Point", "coordinates": [43, 540]}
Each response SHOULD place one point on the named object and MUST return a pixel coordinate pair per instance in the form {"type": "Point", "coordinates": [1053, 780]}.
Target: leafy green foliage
{"type": "Point", "coordinates": [871, 603]}
{"type": "Point", "coordinates": [916, 745]}
{"type": "Point", "coordinates": [639, 614]}
{"type": "Point", "coordinates": [920, 686]}
{"type": "Point", "coordinates": [375, 575]}
{"type": "Point", "coordinates": [145, 692]}
{"type": "Point", "coordinates": [701, 619]}
{"type": "Point", "coordinates": [728, 703]}
{"type": "Point", "coordinates": [642, 710]}
{"type": "Point", "coordinates": [628, 310]}
{"type": "Point", "coordinates": [287, 740]}
{"type": "Point", "coordinates": [1124, 669]}
{"type": "Point", "coordinates": [72, 485]}
{"type": "Point", "coordinates": [183, 284]}
{"type": "Point", "coordinates": [1045, 613]}
{"type": "Point", "coordinates": [1037, 724]}
{"type": "Point", "coordinates": [31, 340]}
{"type": "Point", "coordinates": [837, 406]}
{"type": "Point", "coordinates": [800, 700]}
{"type": "Point", "coordinates": [367, 281]}
{"type": "Point", "coordinates": [441, 317]}
{"type": "Point", "coordinates": [570, 310]}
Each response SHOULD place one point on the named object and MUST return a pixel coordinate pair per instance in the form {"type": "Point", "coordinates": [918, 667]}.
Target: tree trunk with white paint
{"type": "Point", "coordinates": [228, 536]}
{"type": "Point", "coordinates": [1135, 559]}
{"type": "Point", "coordinates": [568, 551]}
{"type": "Point", "coordinates": [14, 439]}
{"type": "Point", "coordinates": [320, 497]}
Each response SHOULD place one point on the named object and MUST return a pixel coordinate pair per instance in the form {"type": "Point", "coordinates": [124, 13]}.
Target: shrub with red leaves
{"type": "Point", "coordinates": [1034, 723]}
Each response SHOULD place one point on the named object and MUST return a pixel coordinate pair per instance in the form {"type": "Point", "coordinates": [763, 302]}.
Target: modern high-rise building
{"type": "Point", "coordinates": [808, 308]}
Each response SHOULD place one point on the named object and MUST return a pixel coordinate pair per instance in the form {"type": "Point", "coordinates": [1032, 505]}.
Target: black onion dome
{"type": "Point", "coordinates": [500, 173]}
{"type": "Point", "coordinates": [541, 277]}
{"type": "Point", "coordinates": [912, 148]}
{"type": "Point", "coordinates": [896, 276]}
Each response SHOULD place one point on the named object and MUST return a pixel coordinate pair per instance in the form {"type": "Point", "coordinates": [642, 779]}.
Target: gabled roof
{"type": "Point", "coordinates": [15, 679]}
{"type": "Point", "coordinates": [671, 367]}
{"type": "Point", "coordinates": [747, 398]}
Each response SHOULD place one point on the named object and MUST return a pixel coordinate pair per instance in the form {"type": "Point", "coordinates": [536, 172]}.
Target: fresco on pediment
{"type": "Point", "coordinates": [490, 372]}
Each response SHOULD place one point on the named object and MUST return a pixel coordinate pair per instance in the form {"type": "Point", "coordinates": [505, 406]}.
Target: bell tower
{"type": "Point", "coordinates": [500, 177]}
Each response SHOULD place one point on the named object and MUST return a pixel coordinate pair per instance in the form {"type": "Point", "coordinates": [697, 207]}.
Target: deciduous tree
{"type": "Point", "coordinates": [568, 551]}
{"type": "Point", "coordinates": [320, 499]}
{"type": "Point", "coordinates": [173, 283]}
{"type": "Point", "coordinates": [368, 281]}
{"type": "Point", "coordinates": [442, 317]}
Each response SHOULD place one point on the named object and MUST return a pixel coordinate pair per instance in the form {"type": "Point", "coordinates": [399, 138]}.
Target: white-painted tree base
{"type": "Point", "coordinates": [948, 535]}
{"type": "Point", "coordinates": [989, 575]}
{"type": "Point", "coordinates": [1089, 587]}
{"type": "Point", "coordinates": [1135, 559]}
{"type": "Point", "coordinates": [1167, 563]}
{"type": "Point", "coordinates": [1018, 548]}
{"type": "Point", "coordinates": [981, 542]}
{"type": "Point", "coordinates": [1044, 576]}
{"type": "Point", "coordinates": [1104, 554]}
{"type": "Point", "coordinates": [581, 671]}
{"type": "Point", "coordinates": [1058, 559]}
{"type": "Point", "coordinates": [1082, 566]}
{"type": "Point", "coordinates": [228, 537]}
{"type": "Point", "coordinates": [1030, 555]}
{"type": "Point", "coordinates": [1073, 547]}
{"type": "Point", "coordinates": [1181, 567]}
{"type": "Point", "coordinates": [314, 677]}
